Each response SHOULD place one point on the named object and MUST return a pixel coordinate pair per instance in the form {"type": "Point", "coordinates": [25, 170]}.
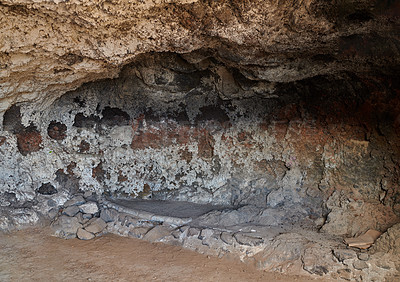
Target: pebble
{"type": "Point", "coordinates": [66, 227]}
{"type": "Point", "coordinates": [80, 218]}
{"type": "Point", "coordinates": [360, 265]}
{"type": "Point", "coordinates": [344, 254]}
{"type": "Point", "coordinates": [157, 233]}
{"type": "Point", "coordinates": [363, 256]}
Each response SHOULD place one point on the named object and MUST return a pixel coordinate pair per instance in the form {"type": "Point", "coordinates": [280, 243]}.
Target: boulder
{"type": "Point", "coordinates": [66, 227]}
{"type": "Point", "coordinates": [96, 225]}
{"type": "Point", "coordinates": [84, 235]}
{"type": "Point", "coordinates": [109, 215]}
{"type": "Point", "coordinates": [157, 233]}
{"type": "Point", "coordinates": [389, 241]}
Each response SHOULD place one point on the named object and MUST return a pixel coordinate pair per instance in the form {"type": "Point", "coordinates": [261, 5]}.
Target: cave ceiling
{"type": "Point", "coordinates": [50, 47]}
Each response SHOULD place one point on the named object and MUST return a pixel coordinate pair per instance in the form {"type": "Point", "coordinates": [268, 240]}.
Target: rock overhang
{"type": "Point", "coordinates": [287, 112]}
{"type": "Point", "coordinates": [51, 47]}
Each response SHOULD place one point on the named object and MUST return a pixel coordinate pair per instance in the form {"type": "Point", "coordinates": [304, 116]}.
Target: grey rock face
{"type": "Point", "coordinates": [84, 234]}
{"type": "Point", "coordinates": [66, 227]}
{"type": "Point", "coordinates": [138, 232]}
{"type": "Point", "coordinates": [108, 215]}
{"type": "Point", "coordinates": [17, 218]}
{"type": "Point", "coordinates": [95, 225]}
{"type": "Point", "coordinates": [227, 238]}
{"type": "Point", "coordinates": [157, 233]}
{"type": "Point", "coordinates": [71, 210]}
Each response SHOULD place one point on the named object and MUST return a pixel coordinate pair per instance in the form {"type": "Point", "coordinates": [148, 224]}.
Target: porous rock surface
{"type": "Point", "coordinates": [170, 129]}
{"type": "Point", "coordinates": [286, 111]}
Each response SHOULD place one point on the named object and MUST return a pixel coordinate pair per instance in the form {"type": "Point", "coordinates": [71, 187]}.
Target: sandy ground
{"type": "Point", "coordinates": [35, 255]}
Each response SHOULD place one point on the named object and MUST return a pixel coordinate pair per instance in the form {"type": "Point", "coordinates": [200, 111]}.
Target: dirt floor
{"type": "Point", "coordinates": [35, 255]}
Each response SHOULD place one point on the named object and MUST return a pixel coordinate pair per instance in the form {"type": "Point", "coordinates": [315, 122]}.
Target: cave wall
{"type": "Point", "coordinates": [188, 127]}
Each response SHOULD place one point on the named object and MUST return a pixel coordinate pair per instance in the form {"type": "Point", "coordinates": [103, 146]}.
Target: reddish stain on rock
{"type": "Point", "coordinates": [242, 136]}
{"type": "Point", "coordinates": [160, 135]}
{"type": "Point", "coordinates": [2, 140]}
{"type": "Point", "coordinates": [57, 130]}
{"type": "Point", "coordinates": [280, 130]}
{"type": "Point", "coordinates": [98, 172]}
{"type": "Point", "coordinates": [146, 191]}
{"type": "Point", "coordinates": [205, 145]}
{"type": "Point", "coordinates": [153, 138]}
{"type": "Point", "coordinates": [29, 141]}
{"type": "Point", "coordinates": [71, 167]}
{"type": "Point", "coordinates": [263, 126]}
{"type": "Point", "coordinates": [121, 177]}
{"type": "Point", "coordinates": [186, 155]}
{"type": "Point", "coordinates": [84, 146]}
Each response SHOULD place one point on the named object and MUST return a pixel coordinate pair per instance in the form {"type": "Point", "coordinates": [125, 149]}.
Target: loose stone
{"type": "Point", "coordinates": [75, 201]}
{"type": "Point", "coordinates": [96, 226]}
{"type": "Point", "coordinates": [84, 234]}
{"type": "Point", "coordinates": [89, 207]}
{"type": "Point", "coordinates": [71, 210]}
{"type": "Point", "coordinates": [360, 265]}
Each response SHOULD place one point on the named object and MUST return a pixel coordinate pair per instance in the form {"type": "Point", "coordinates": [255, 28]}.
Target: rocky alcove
{"type": "Point", "coordinates": [268, 131]}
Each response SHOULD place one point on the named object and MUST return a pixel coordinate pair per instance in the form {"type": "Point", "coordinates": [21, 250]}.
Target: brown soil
{"type": "Point", "coordinates": [35, 255]}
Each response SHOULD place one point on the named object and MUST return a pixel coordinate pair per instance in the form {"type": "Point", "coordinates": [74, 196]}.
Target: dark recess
{"type": "Point", "coordinates": [47, 189]}
{"type": "Point", "coordinates": [57, 130]}
{"type": "Point", "coordinates": [114, 116]}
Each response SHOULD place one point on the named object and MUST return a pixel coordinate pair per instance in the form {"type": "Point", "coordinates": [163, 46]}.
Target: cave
{"type": "Point", "coordinates": [266, 131]}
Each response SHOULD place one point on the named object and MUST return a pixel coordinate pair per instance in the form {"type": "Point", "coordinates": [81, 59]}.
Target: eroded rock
{"type": "Point", "coordinates": [95, 225]}
{"type": "Point", "coordinates": [84, 234]}
{"type": "Point", "coordinates": [71, 210]}
{"type": "Point", "coordinates": [66, 227]}
{"type": "Point", "coordinates": [389, 241]}
{"type": "Point", "coordinates": [89, 208]}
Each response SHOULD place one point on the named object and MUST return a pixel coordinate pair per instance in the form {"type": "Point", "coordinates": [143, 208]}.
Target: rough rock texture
{"type": "Point", "coordinates": [49, 47]}
{"type": "Point", "coordinates": [288, 111]}
{"type": "Point", "coordinates": [66, 227]}
{"type": "Point", "coordinates": [389, 242]}
{"type": "Point", "coordinates": [168, 129]}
